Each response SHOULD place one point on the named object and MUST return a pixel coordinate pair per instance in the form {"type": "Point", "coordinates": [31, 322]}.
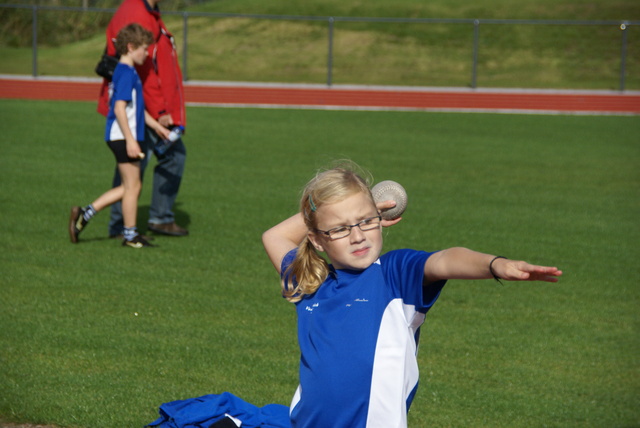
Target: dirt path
{"type": "Point", "coordinates": [349, 97]}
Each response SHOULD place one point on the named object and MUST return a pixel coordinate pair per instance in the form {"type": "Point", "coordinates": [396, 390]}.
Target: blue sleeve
{"type": "Point", "coordinates": [123, 81]}
{"type": "Point", "coordinates": [404, 270]}
{"type": "Point", "coordinates": [287, 260]}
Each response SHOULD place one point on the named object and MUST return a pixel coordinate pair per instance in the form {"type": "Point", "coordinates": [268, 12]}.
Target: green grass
{"type": "Point", "coordinates": [499, 9]}
{"type": "Point", "coordinates": [96, 335]}
{"type": "Point", "coordinates": [423, 54]}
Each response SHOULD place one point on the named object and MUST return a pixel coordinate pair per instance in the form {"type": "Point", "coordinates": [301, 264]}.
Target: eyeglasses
{"type": "Point", "coordinates": [344, 231]}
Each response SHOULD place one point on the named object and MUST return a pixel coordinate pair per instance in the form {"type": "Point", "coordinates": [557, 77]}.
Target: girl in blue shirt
{"type": "Point", "coordinates": [359, 315]}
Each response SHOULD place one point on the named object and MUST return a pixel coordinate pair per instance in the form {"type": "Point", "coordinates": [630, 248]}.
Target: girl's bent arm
{"type": "Point", "coordinates": [462, 263]}
{"type": "Point", "coordinates": [284, 237]}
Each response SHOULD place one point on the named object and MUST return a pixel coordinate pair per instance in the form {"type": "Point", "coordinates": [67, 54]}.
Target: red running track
{"type": "Point", "coordinates": [350, 97]}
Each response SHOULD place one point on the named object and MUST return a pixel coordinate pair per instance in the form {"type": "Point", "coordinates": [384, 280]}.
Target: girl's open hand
{"type": "Point", "coordinates": [512, 270]}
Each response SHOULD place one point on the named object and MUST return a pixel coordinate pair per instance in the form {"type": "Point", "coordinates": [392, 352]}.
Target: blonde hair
{"type": "Point", "coordinates": [309, 270]}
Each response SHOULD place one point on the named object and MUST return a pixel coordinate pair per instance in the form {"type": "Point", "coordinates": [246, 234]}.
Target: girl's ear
{"type": "Point", "coordinates": [313, 238]}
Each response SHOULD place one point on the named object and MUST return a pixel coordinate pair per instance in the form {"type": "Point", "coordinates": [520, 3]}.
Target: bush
{"type": "Point", "coordinates": [57, 27]}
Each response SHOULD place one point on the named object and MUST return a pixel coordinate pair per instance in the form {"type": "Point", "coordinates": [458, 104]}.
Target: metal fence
{"type": "Point", "coordinates": [476, 27]}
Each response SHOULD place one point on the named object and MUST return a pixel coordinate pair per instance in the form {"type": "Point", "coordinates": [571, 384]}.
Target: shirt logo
{"type": "Point", "coordinates": [312, 307]}
{"type": "Point", "coordinates": [358, 300]}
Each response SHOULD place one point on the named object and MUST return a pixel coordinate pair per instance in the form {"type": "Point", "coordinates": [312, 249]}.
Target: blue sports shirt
{"type": "Point", "coordinates": [358, 337]}
{"type": "Point", "coordinates": [126, 86]}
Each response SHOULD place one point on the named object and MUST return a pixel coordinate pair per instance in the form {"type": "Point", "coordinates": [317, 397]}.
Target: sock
{"type": "Point", "coordinates": [130, 233]}
{"type": "Point", "coordinates": [89, 212]}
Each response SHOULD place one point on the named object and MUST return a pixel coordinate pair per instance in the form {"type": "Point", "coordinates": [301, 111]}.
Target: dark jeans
{"type": "Point", "coordinates": [167, 176]}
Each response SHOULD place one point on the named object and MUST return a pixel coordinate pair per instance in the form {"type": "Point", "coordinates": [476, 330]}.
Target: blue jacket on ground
{"type": "Point", "coordinates": [204, 411]}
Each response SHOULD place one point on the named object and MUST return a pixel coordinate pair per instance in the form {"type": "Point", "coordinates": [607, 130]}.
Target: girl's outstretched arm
{"type": "Point", "coordinates": [462, 263]}
{"type": "Point", "coordinates": [284, 237]}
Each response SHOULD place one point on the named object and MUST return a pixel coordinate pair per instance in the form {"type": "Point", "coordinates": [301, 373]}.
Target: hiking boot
{"type": "Point", "coordinates": [76, 223]}
{"type": "Point", "coordinates": [170, 229]}
{"type": "Point", "coordinates": [137, 242]}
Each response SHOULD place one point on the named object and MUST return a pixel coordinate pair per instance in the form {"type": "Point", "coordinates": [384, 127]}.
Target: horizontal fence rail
{"type": "Point", "coordinates": [331, 21]}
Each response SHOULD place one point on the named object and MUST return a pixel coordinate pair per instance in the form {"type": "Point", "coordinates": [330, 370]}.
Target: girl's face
{"type": "Point", "coordinates": [359, 249]}
{"type": "Point", "coordinates": [139, 54]}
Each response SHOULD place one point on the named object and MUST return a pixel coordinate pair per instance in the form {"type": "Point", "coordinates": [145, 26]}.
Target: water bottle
{"type": "Point", "coordinates": [162, 146]}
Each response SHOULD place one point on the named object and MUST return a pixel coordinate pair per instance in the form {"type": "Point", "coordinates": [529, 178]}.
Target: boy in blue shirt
{"type": "Point", "coordinates": [124, 130]}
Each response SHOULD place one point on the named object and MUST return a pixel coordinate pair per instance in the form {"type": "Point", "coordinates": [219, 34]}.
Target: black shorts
{"type": "Point", "coordinates": [119, 149]}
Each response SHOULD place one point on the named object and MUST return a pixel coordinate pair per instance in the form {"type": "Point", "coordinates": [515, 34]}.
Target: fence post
{"type": "Point", "coordinates": [185, 26]}
{"type": "Point", "coordinates": [330, 53]}
{"type": "Point", "coordinates": [34, 41]}
{"type": "Point", "coordinates": [623, 56]}
{"type": "Point", "coordinates": [476, 43]}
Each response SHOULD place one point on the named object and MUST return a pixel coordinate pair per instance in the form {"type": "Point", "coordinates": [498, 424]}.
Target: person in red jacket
{"type": "Point", "coordinates": [164, 101]}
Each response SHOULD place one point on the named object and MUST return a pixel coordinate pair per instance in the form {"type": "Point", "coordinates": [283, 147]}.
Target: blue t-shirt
{"type": "Point", "coordinates": [358, 337]}
{"type": "Point", "coordinates": [126, 86]}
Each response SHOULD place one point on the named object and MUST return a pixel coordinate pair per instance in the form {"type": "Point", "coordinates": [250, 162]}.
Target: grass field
{"type": "Point", "coordinates": [96, 335]}
{"type": "Point", "coordinates": [223, 48]}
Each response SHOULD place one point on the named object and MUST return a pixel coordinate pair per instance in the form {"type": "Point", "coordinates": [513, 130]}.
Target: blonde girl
{"type": "Point", "coordinates": [360, 312]}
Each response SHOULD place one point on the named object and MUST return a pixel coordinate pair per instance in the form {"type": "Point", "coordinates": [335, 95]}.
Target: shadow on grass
{"type": "Point", "coordinates": [182, 218]}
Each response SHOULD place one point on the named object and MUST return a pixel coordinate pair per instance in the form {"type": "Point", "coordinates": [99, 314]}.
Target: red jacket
{"type": "Point", "coordinates": [161, 76]}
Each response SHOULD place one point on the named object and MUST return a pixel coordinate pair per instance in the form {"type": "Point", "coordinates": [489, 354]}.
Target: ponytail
{"type": "Point", "coordinates": [306, 273]}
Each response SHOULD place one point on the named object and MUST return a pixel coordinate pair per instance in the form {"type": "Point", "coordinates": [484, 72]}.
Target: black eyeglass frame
{"type": "Point", "coordinates": [349, 227]}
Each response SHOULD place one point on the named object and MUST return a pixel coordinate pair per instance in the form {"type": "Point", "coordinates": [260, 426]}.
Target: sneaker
{"type": "Point", "coordinates": [137, 242]}
{"type": "Point", "coordinates": [76, 223]}
{"type": "Point", "coordinates": [120, 236]}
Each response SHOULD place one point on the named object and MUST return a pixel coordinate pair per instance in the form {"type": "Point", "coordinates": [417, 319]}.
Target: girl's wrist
{"type": "Point", "coordinates": [491, 268]}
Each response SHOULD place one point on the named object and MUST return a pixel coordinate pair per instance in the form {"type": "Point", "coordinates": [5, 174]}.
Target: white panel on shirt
{"type": "Point", "coordinates": [296, 399]}
{"type": "Point", "coordinates": [395, 368]}
{"type": "Point", "coordinates": [130, 110]}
